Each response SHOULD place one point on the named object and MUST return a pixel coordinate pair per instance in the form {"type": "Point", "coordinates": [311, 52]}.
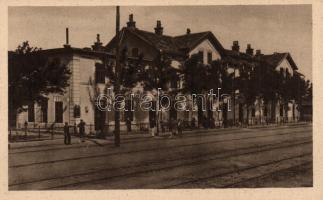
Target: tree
{"type": "Point", "coordinates": [195, 74]}
{"type": "Point", "coordinates": [160, 75]}
{"type": "Point", "coordinates": [127, 77]}
{"type": "Point", "coordinates": [32, 77]}
{"type": "Point", "coordinates": [213, 73]}
{"type": "Point", "coordinates": [299, 89]}
{"type": "Point", "coordinates": [220, 77]}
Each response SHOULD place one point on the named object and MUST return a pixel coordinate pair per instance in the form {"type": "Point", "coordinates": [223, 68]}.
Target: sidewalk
{"type": "Point", "coordinates": [59, 139]}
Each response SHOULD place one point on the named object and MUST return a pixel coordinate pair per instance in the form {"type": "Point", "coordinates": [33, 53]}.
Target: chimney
{"type": "Point", "coordinates": [67, 41]}
{"type": "Point", "coordinates": [159, 28]}
{"type": "Point", "coordinates": [188, 31]}
{"type": "Point", "coordinates": [98, 44]}
{"type": "Point", "coordinates": [249, 50]}
{"type": "Point", "coordinates": [235, 46]}
{"type": "Point", "coordinates": [258, 52]}
{"type": "Point", "coordinates": [131, 24]}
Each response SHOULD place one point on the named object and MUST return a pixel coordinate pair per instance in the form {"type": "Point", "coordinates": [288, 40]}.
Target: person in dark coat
{"type": "Point", "coordinates": [82, 130]}
{"type": "Point", "coordinates": [193, 123]}
{"type": "Point", "coordinates": [128, 123]}
{"type": "Point", "coordinates": [179, 127]}
{"type": "Point", "coordinates": [67, 135]}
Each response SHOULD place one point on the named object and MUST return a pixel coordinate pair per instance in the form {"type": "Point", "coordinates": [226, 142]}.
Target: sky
{"type": "Point", "coordinates": [271, 28]}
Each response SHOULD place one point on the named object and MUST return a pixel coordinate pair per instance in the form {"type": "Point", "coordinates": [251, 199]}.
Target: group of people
{"type": "Point", "coordinates": [67, 134]}
{"type": "Point", "coordinates": [175, 126]}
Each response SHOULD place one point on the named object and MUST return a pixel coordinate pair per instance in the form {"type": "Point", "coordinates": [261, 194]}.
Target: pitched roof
{"type": "Point", "coordinates": [163, 42]}
{"type": "Point", "coordinates": [276, 58]}
{"type": "Point", "coordinates": [177, 45]}
{"type": "Point", "coordinates": [273, 59]}
{"type": "Point", "coordinates": [235, 54]}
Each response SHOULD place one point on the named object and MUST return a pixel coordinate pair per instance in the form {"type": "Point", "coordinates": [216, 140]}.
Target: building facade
{"type": "Point", "coordinates": [87, 80]}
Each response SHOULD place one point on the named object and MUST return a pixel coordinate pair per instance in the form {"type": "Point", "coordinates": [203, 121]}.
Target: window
{"type": "Point", "coordinates": [287, 72]}
{"type": "Point", "coordinates": [44, 110]}
{"type": "Point", "coordinates": [281, 71]}
{"type": "Point", "coordinates": [31, 113]}
{"type": "Point", "coordinates": [200, 56]}
{"type": "Point", "coordinates": [135, 52]}
{"type": "Point", "coordinates": [77, 111]}
{"type": "Point", "coordinates": [59, 112]}
{"type": "Point", "coordinates": [99, 74]}
{"type": "Point", "coordinates": [209, 57]}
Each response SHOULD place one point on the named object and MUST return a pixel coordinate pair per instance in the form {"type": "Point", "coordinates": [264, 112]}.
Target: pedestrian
{"type": "Point", "coordinates": [173, 125]}
{"type": "Point", "coordinates": [152, 124]}
{"type": "Point", "coordinates": [81, 130]}
{"type": "Point", "coordinates": [179, 127]}
{"type": "Point", "coordinates": [212, 123]}
{"type": "Point", "coordinates": [128, 123]}
{"type": "Point", "coordinates": [67, 135]}
{"type": "Point", "coordinates": [26, 128]}
{"type": "Point", "coordinates": [193, 123]}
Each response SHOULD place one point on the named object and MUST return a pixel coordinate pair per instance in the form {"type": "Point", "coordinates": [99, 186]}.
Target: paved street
{"type": "Point", "coordinates": [277, 156]}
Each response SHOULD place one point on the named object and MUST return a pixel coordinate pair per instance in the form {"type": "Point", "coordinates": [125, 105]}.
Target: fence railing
{"type": "Point", "coordinates": [57, 131]}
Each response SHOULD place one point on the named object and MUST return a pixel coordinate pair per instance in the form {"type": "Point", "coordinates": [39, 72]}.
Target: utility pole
{"type": "Point", "coordinates": [117, 82]}
{"type": "Point", "coordinates": [234, 95]}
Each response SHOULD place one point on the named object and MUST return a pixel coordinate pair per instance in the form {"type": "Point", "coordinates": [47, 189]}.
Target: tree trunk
{"type": "Point", "coordinates": [247, 115]}
{"type": "Point", "coordinates": [225, 115]}
{"type": "Point", "coordinates": [199, 112]}
{"type": "Point", "coordinates": [210, 114]}
{"type": "Point", "coordinates": [259, 107]}
{"type": "Point", "coordinates": [286, 111]}
{"type": "Point", "coordinates": [273, 110]}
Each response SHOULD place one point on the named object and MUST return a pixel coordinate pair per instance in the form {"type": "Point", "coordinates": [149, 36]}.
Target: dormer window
{"type": "Point", "coordinates": [287, 72]}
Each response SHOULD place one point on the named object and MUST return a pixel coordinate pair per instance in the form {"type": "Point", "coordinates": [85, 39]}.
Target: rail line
{"type": "Point", "coordinates": [266, 174]}
{"type": "Point", "coordinates": [263, 148]}
{"type": "Point", "coordinates": [150, 149]}
{"type": "Point", "coordinates": [238, 171]}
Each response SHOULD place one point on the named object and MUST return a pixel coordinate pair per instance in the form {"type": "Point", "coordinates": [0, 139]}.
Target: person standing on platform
{"type": "Point", "coordinates": [82, 130]}
{"type": "Point", "coordinates": [67, 135]}
{"type": "Point", "coordinates": [179, 127]}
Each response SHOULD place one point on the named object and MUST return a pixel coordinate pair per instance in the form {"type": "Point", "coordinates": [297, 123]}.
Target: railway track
{"type": "Point", "coordinates": [292, 168]}
{"type": "Point", "coordinates": [243, 170]}
{"type": "Point", "coordinates": [152, 149]}
{"type": "Point", "coordinates": [150, 165]}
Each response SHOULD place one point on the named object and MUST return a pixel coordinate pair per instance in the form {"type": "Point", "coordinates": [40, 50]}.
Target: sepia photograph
{"type": "Point", "coordinates": [160, 97]}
